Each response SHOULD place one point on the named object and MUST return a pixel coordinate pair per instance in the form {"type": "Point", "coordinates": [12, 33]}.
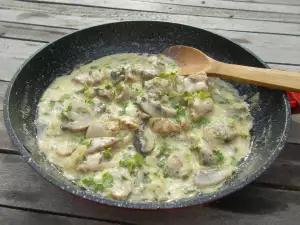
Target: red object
{"type": "Point", "coordinates": [294, 99]}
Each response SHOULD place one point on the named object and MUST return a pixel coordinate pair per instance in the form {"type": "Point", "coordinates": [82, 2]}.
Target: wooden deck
{"type": "Point", "coordinates": [269, 28]}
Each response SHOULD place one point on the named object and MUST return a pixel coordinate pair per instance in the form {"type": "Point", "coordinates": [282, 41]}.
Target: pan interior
{"type": "Point", "coordinates": [271, 114]}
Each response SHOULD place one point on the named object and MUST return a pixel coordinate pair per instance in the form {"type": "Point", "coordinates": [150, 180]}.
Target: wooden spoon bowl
{"type": "Point", "coordinates": [191, 60]}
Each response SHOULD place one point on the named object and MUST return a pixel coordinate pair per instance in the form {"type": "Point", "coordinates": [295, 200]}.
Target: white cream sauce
{"type": "Point", "coordinates": [126, 126]}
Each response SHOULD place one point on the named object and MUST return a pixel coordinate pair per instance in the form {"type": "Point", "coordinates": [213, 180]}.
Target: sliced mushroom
{"type": "Point", "coordinates": [155, 109]}
{"type": "Point", "coordinates": [101, 128]}
{"type": "Point", "coordinates": [211, 176]}
{"type": "Point", "coordinates": [77, 126]}
{"type": "Point", "coordinates": [164, 126]}
{"type": "Point", "coordinates": [92, 163]}
{"type": "Point", "coordinates": [99, 144]}
{"type": "Point", "coordinates": [201, 107]}
{"type": "Point", "coordinates": [142, 115]}
{"type": "Point", "coordinates": [144, 140]}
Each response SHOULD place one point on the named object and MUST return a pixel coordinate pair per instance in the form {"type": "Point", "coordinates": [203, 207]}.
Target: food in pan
{"type": "Point", "coordinates": [127, 126]}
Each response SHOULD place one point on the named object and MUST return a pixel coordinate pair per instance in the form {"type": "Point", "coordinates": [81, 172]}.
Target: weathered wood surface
{"type": "Point", "coordinates": [10, 216]}
{"type": "Point", "coordinates": [252, 205]}
{"type": "Point", "coordinates": [279, 2]}
{"type": "Point", "coordinates": [41, 13]}
{"type": "Point", "coordinates": [269, 28]}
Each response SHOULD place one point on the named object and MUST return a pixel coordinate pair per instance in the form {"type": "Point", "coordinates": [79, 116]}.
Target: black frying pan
{"type": "Point", "coordinates": [271, 115]}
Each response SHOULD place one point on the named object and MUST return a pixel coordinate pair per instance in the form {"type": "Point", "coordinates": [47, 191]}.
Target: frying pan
{"type": "Point", "coordinates": [271, 114]}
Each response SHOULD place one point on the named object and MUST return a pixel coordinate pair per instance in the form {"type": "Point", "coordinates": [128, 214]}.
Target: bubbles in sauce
{"type": "Point", "coordinates": [128, 127]}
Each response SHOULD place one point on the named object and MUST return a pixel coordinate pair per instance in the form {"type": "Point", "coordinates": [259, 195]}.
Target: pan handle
{"type": "Point", "coordinates": [294, 99]}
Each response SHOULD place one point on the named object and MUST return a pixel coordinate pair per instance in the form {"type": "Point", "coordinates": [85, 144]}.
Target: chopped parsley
{"type": "Point", "coordinates": [169, 75]}
{"type": "Point", "coordinates": [52, 103]}
{"type": "Point", "coordinates": [245, 136]}
{"type": "Point", "coordinates": [107, 154]}
{"type": "Point", "coordinates": [64, 113]}
{"type": "Point", "coordinates": [124, 107]}
{"type": "Point", "coordinates": [189, 97]}
{"type": "Point", "coordinates": [219, 155]}
{"type": "Point", "coordinates": [87, 143]}
{"type": "Point", "coordinates": [107, 180]}
{"type": "Point", "coordinates": [89, 101]}
{"type": "Point", "coordinates": [131, 163]}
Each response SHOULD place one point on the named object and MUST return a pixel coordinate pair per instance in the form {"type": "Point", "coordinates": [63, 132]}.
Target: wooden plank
{"type": "Point", "coordinates": [279, 2]}
{"type": "Point", "coordinates": [287, 50]}
{"type": "Point", "coordinates": [14, 52]}
{"type": "Point", "coordinates": [243, 6]}
{"type": "Point", "coordinates": [32, 32]}
{"type": "Point", "coordinates": [276, 206]}
{"type": "Point", "coordinates": [202, 11]}
{"type": "Point", "coordinates": [186, 8]}
{"type": "Point", "coordinates": [57, 15]}
{"type": "Point", "coordinates": [10, 216]}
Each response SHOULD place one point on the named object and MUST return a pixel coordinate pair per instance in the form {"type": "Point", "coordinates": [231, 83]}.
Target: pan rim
{"type": "Point", "coordinates": [196, 200]}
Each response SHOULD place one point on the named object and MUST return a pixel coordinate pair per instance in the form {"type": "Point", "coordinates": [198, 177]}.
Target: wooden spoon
{"type": "Point", "coordinates": [191, 60]}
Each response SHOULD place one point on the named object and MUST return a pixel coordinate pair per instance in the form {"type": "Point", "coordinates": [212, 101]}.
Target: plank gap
{"type": "Point", "coordinates": [66, 215]}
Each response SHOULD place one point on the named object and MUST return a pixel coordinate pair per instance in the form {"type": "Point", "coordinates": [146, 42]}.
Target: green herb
{"type": "Point", "coordinates": [187, 156]}
{"type": "Point", "coordinates": [64, 97]}
{"type": "Point", "coordinates": [89, 101]}
{"type": "Point", "coordinates": [124, 178]}
{"type": "Point", "coordinates": [63, 113]}
{"type": "Point", "coordinates": [180, 112]}
{"type": "Point", "coordinates": [189, 97]}
{"type": "Point", "coordinates": [139, 159]}
{"type": "Point", "coordinates": [119, 88]}
{"type": "Point", "coordinates": [169, 75]}
{"type": "Point", "coordinates": [120, 138]}
{"type": "Point", "coordinates": [107, 154]}
{"type": "Point", "coordinates": [51, 103]}
{"type": "Point", "coordinates": [202, 121]}
{"type": "Point", "coordinates": [165, 151]}
{"type": "Point", "coordinates": [98, 187]}
{"type": "Point", "coordinates": [87, 143]}
{"type": "Point", "coordinates": [64, 116]}
{"type": "Point", "coordinates": [219, 155]}
{"type": "Point", "coordinates": [123, 111]}
{"type": "Point", "coordinates": [132, 162]}
{"type": "Point", "coordinates": [69, 108]}
{"type": "Point", "coordinates": [162, 162]}
{"type": "Point", "coordinates": [88, 181]}
{"type": "Point", "coordinates": [245, 136]}
{"type": "Point", "coordinates": [107, 180]}
{"type": "Point", "coordinates": [89, 93]}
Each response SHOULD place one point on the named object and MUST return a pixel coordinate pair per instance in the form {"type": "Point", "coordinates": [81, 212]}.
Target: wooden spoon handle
{"type": "Point", "coordinates": [284, 80]}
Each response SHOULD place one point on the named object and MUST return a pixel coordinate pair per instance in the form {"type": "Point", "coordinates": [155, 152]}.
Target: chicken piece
{"type": "Point", "coordinates": [211, 176]}
{"type": "Point", "coordinates": [128, 122]}
{"type": "Point", "coordinates": [103, 128]}
{"type": "Point", "coordinates": [201, 107]}
{"type": "Point", "coordinates": [145, 72]}
{"type": "Point", "coordinates": [92, 163]}
{"type": "Point", "coordinates": [164, 126]}
{"type": "Point", "coordinates": [219, 132]}
{"type": "Point", "coordinates": [99, 144]}
{"type": "Point", "coordinates": [77, 126]}
{"type": "Point", "coordinates": [90, 78]}
{"type": "Point", "coordinates": [155, 109]}
{"type": "Point", "coordinates": [206, 154]}
{"type": "Point", "coordinates": [195, 82]}
{"type": "Point", "coordinates": [174, 164]}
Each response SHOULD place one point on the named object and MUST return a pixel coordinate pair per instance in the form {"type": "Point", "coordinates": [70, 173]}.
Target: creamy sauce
{"type": "Point", "coordinates": [128, 127]}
